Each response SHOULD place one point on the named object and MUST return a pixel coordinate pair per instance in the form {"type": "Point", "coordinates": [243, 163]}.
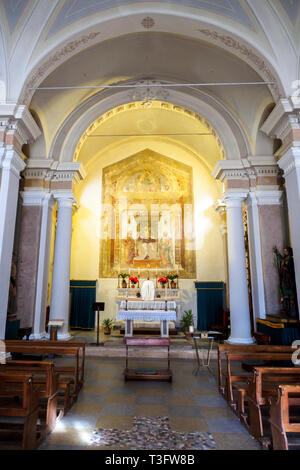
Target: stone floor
{"type": "Point", "coordinates": [191, 404]}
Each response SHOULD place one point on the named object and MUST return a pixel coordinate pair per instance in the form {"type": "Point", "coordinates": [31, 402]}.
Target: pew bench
{"type": "Point", "coordinates": [30, 347]}
{"type": "Point", "coordinates": [261, 390]}
{"type": "Point", "coordinates": [233, 380]}
{"type": "Point", "coordinates": [282, 419]}
{"type": "Point", "coordinates": [18, 399]}
{"type": "Point", "coordinates": [71, 344]}
{"type": "Point", "coordinates": [44, 383]}
{"type": "Point", "coordinates": [224, 349]}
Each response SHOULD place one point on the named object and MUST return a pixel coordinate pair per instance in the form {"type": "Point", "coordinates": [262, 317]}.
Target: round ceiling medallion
{"type": "Point", "coordinates": [148, 22]}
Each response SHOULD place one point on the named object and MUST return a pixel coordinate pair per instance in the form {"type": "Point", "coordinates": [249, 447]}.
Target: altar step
{"type": "Point", "coordinates": [179, 352]}
{"type": "Point", "coordinates": [151, 331]}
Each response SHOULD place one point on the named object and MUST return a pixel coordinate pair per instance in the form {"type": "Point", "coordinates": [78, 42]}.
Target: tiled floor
{"type": "Point", "coordinates": [192, 404]}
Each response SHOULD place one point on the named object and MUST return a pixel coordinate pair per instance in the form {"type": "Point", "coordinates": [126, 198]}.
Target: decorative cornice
{"type": "Point", "coordinates": [58, 57]}
{"type": "Point", "coordinates": [246, 53]}
{"type": "Point", "coordinates": [51, 170]}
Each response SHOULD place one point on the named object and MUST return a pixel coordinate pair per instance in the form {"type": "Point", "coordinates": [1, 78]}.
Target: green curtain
{"type": "Point", "coordinates": [283, 335]}
{"type": "Point", "coordinates": [210, 304]}
{"type": "Point", "coordinates": [83, 294]}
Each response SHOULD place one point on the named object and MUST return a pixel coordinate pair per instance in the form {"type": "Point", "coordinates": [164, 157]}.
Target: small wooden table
{"type": "Point", "coordinates": [143, 373]}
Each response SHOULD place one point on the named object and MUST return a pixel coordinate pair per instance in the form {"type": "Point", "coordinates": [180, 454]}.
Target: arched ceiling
{"type": "Point", "coordinates": [157, 56]}
{"type": "Point", "coordinates": [38, 35]}
{"type": "Point", "coordinates": [158, 123]}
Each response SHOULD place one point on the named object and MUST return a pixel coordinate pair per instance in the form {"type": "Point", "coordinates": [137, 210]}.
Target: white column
{"type": "Point", "coordinates": [59, 308]}
{"type": "Point", "coordinates": [238, 287]}
{"type": "Point", "coordinates": [12, 165]}
{"type": "Point", "coordinates": [255, 253]}
{"type": "Point", "coordinates": [43, 268]}
{"type": "Point", "coordinates": [290, 163]}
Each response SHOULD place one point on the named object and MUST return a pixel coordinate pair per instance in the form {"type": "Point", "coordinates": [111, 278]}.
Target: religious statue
{"type": "Point", "coordinates": [286, 271]}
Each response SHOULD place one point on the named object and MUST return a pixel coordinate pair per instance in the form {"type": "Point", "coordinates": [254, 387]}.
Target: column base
{"type": "Point", "coordinates": [232, 340]}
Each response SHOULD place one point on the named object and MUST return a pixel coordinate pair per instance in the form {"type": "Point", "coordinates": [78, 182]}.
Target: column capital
{"type": "Point", "coordinates": [64, 199]}
{"type": "Point", "coordinates": [37, 198]}
{"type": "Point", "coordinates": [12, 161]}
{"type": "Point", "coordinates": [234, 199]}
{"type": "Point", "coordinates": [269, 198]}
{"type": "Point", "coordinates": [290, 161]}
{"type": "Point", "coordinates": [17, 126]}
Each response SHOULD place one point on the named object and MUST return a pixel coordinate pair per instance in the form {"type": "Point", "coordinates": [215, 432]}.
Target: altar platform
{"type": "Point", "coordinates": [114, 346]}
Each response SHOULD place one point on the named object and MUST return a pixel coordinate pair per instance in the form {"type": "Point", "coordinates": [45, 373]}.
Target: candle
{"type": "Point", "coordinates": [191, 329]}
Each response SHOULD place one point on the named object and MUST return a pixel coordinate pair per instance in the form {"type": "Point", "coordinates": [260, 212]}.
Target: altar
{"type": "Point", "coordinates": [134, 311]}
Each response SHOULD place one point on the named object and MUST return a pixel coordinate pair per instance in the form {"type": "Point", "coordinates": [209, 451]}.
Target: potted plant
{"type": "Point", "coordinates": [134, 281]}
{"type": "Point", "coordinates": [108, 324]}
{"type": "Point", "coordinates": [123, 276]}
{"type": "Point", "coordinates": [172, 278]}
{"type": "Point", "coordinates": [163, 281]}
{"type": "Point", "coordinates": [187, 321]}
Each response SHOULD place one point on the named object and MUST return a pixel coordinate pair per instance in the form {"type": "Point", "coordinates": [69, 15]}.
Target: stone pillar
{"type": "Point", "coordinates": [59, 308]}
{"type": "Point", "coordinates": [28, 255]}
{"type": "Point", "coordinates": [256, 269]}
{"type": "Point", "coordinates": [272, 229]}
{"type": "Point", "coordinates": [38, 331]}
{"type": "Point", "coordinates": [238, 287]}
{"type": "Point", "coordinates": [12, 165]}
{"type": "Point", "coordinates": [284, 124]}
{"type": "Point", "coordinates": [290, 163]}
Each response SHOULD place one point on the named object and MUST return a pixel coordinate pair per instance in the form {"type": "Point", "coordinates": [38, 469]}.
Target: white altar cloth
{"type": "Point", "coordinates": [147, 315]}
{"type": "Point", "coordinates": [147, 305]}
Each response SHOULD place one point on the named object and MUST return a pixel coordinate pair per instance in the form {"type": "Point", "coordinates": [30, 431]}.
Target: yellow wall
{"type": "Point", "coordinates": [86, 221]}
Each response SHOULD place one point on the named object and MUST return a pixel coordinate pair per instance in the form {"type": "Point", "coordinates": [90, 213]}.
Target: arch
{"type": "Point", "coordinates": [201, 28]}
{"type": "Point", "coordinates": [232, 135]}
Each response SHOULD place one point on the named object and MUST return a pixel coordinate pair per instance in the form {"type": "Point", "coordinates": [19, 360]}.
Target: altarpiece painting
{"type": "Point", "coordinates": [147, 217]}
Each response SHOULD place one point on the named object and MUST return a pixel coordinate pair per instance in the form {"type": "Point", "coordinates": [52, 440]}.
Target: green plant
{"type": "Point", "coordinates": [123, 275]}
{"type": "Point", "coordinates": [171, 277]}
{"type": "Point", "coordinates": [187, 319]}
{"type": "Point", "coordinates": [108, 323]}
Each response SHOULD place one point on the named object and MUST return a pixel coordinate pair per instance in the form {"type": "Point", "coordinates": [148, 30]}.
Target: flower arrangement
{"type": "Point", "coordinates": [163, 281]}
{"type": "Point", "coordinates": [133, 280]}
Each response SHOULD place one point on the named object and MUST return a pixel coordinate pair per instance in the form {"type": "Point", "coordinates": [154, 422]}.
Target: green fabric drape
{"type": "Point", "coordinates": [210, 304]}
{"type": "Point", "coordinates": [282, 336]}
{"type": "Point", "coordinates": [83, 294]}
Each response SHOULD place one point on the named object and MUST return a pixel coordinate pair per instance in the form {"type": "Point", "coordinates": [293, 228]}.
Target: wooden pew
{"type": "Point", "coordinates": [281, 419]}
{"type": "Point", "coordinates": [14, 385]}
{"type": "Point", "coordinates": [223, 349]}
{"type": "Point", "coordinates": [30, 347]}
{"type": "Point", "coordinates": [65, 370]}
{"type": "Point", "coordinates": [232, 379]}
{"type": "Point", "coordinates": [262, 387]}
{"type": "Point", "coordinates": [44, 382]}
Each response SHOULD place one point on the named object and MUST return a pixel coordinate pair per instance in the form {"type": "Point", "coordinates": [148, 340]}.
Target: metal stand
{"type": "Point", "coordinates": [203, 335]}
{"type": "Point", "coordinates": [98, 307]}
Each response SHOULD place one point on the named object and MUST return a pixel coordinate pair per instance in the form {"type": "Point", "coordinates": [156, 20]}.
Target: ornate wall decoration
{"type": "Point", "coordinates": [147, 217]}
{"type": "Point", "coordinates": [50, 64]}
{"type": "Point", "coordinates": [243, 51]}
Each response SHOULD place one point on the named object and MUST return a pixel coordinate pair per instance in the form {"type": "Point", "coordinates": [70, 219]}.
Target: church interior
{"type": "Point", "coordinates": [149, 225]}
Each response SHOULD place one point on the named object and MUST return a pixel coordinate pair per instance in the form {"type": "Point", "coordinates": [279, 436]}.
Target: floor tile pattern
{"type": "Point", "coordinates": [152, 433]}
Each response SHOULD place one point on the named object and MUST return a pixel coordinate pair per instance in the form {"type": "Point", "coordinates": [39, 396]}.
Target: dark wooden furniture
{"type": "Point", "coordinates": [232, 379]}
{"type": "Point", "coordinates": [19, 400]}
{"type": "Point", "coordinates": [63, 348]}
{"type": "Point", "coordinates": [144, 374]}
{"type": "Point", "coordinates": [262, 387]}
{"type": "Point", "coordinates": [223, 349]}
{"type": "Point", "coordinates": [44, 383]}
{"type": "Point", "coordinates": [282, 418]}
